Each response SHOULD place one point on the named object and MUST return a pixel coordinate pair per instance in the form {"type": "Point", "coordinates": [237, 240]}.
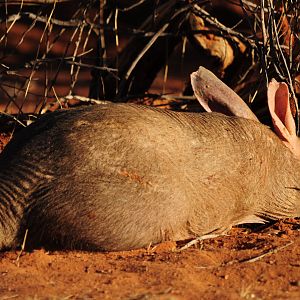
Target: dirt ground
{"type": "Point", "coordinates": [243, 265]}
{"type": "Point", "coordinates": [261, 263]}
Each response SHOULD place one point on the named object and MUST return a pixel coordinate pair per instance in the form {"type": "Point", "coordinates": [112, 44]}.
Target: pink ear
{"type": "Point", "coordinates": [215, 95]}
{"type": "Point", "coordinates": [283, 121]}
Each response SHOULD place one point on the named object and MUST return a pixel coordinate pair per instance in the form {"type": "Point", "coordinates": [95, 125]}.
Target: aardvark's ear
{"type": "Point", "coordinates": [216, 96]}
{"type": "Point", "coordinates": [283, 121]}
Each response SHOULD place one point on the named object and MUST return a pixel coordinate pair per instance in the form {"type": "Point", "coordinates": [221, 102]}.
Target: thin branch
{"type": "Point", "coordinates": [30, 2]}
{"type": "Point", "coordinates": [131, 6]}
{"type": "Point", "coordinates": [272, 251]}
{"type": "Point", "coordinates": [146, 48]}
{"type": "Point", "coordinates": [214, 22]}
{"type": "Point", "coordinates": [43, 19]}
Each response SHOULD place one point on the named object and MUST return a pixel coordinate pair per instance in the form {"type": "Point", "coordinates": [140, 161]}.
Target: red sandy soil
{"type": "Point", "coordinates": [219, 268]}
{"type": "Point", "coordinates": [246, 264]}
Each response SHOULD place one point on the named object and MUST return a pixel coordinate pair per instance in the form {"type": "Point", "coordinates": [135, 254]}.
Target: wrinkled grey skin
{"type": "Point", "coordinates": [115, 177]}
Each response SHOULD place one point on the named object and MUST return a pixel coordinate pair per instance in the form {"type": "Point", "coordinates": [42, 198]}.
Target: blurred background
{"type": "Point", "coordinates": [61, 53]}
